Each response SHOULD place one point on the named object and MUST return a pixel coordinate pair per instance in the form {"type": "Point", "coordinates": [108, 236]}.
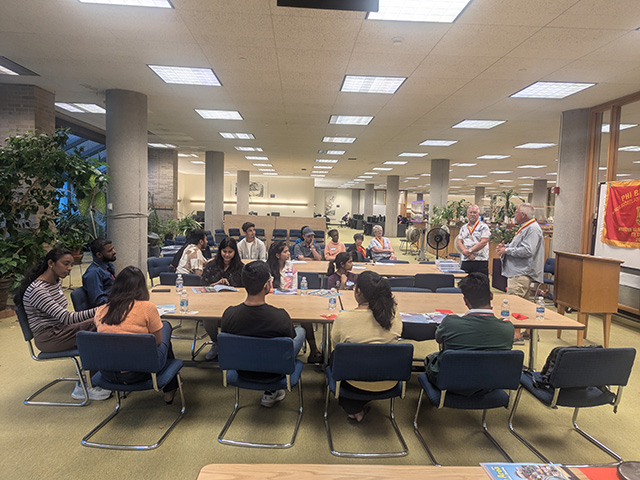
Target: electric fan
{"type": "Point", "coordinates": [438, 239]}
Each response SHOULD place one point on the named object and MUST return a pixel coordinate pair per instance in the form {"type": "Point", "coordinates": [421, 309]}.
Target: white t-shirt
{"type": "Point", "coordinates": [470, 239]}
{"type": "Point", "coordinates": [252, 251]}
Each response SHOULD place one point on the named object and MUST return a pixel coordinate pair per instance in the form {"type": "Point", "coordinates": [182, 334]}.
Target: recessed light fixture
{"type": "Point", "coordinates": [456, 179]}
{"type": "Point", "coordinates": [371, 84]}
{"type": "Point", "coordinates": [636, 161]}
{"type": "Point", "coordinates": [384, 169]}
{"type": "Point", "coordinates": [350, 120]}
{"type": "Point", "coordinates": [197, 162]}
{"type": "Point", "coordinates": [272, 174]}
{"type": "Point", "coordinates": [425, 174]}
{"type": "Point", "coordinates": [326, 160]}
{"type": "Point", "coordinates": [323, 167]}
{"type": "Point", "coordinates": [9, 67]}
{"type": "Point", "coordinates": [501, 172]}
{"type": "Point", "coordinates": [394, 162]}
{"type": "Point", "coordinates": [267, 169]}
{"type": "Point", "coordinates": [441, 11]}
{"type": "Point", "coordinates": [623, 175]}
{"type": "Point", "coordinates": [254, 157]}
{"type": "Point", "coordinates": [551, 90]}
{"type": "Point", "coordinates": [526, 178]}
{"type": "Point", "coordinates": [371, 173]}
{"type": "Point", "coordinates": [219, 114]}
{"type": "Point", "coordinates": [484, 183]}
{"type": "Point", "coordinates": [331, 152]}
{"type": "Point", "coordinates": [186, 75]}
{"type": "Point", "coordinates": [534, 145]}
{"type": "Point", "coordinates": [249, 149]}
{"type": "Point", "coordinates": [552, 173]}
{"type": "Point", "coordinates": [318, 176]}
{"type": "Point", "coordinates": [365, 176]}
{"type": "Point", "coordinates": [493, 157]}
{"type": "Point", "coordinates": [464, 164]}
{"type": "Point", "coordinates": [412, 178]}
{"type": "Point", "coordinates": [133, 3]}
{"type": "Point", "coordinates": [532, 166]}
{"type": "Point", "coordinates": [80, 107]}
{"type": "Point", "coordinates": [238, 136]}
{"type": "Point", "coordinates": [262, 165]}
{"type": "Point", "coordinates": [480, 124]}
{"type": "Point", "coordinates": [630, 148]}
{"type": "Point", "coordinates": [504, 181]}
{"type": "Point", "coordinates": [476, 176]}
{"type": "Point", "coordinates": [187, 155]}
{"type": "Point", "coordinates": [623, 126]}
{"type": "Point", "coordinates": [338, 139]}
{"type": "Point", "coordinates": [6, 71]}
{"type": "Point", "coordinates": [602, 168]}
{"type": "Point", "coordinates": [439, 143]}
{"type": "Point", "coordinates": [161, 145]}
{"type": "Point", "coordinates": [412, 154]}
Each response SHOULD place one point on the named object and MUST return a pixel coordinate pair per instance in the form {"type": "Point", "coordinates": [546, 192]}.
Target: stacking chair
{"type": "Point", "coordinates": [400, 282]}
{"type": "Point", "coordinates": [393, 261]}
{"type": "Point", "coordinates": [313, 279]}
{"type": "Point", "coordinates": [132, 353]}
{"type": "Point", "coordinates": [581, 377]}
{"type": "Point", "coordinates": [410, 289]}
{"type": "Point", "coordinates": [80, 299]}
{"type": "Point", "coordinates": [260, 234]}
{"type": "Point", "coordinates": [180, 240]}
{"type": "Point", "coordinates": [432, 281]}
{"type": "Point", "coordinates": [369, 362]}
{"type": "Point", "coordinates": [42, 356]}
{"type": "Point", "coordinates": [235, 233]}
{"type": "Point", "coordinates": [219, 235]}
{"type": "Point", "coordinates": [157, 265]}
{"type": "Point", "coordinates": [279, 234]}
{"type": "Point", "coordinates": [319, 236]}
{"type": "Point", "coordinates": [430, 262]}
{"type": "Point", "coordinates": [488, 371]}
{"type": "Point", "coordinates": [549, 272]}
{"type": "Point", "coordinates": [448, 290]}
{"type": "Point", "coordinates": [252, 354]}
{"type": "Point", "coordinates": [294, 233]}
{"type": "Point", "coordinates": [189, 279]}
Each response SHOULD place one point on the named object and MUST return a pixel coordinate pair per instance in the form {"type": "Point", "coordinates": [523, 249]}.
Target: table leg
{"type": "Point", "coordinates": [561, 311]}
{"type": "Point", "coordinates": [533, 348]}
{"type": "Point", "coordinates": [582, 318]}
{"type": "Point", "coordinates": [606, 326]}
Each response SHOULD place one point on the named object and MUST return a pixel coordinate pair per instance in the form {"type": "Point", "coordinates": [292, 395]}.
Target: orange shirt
{"type": "Point", "coordinates": [331, 250]}
{"type": "Point", "coordinates": [143, 318]}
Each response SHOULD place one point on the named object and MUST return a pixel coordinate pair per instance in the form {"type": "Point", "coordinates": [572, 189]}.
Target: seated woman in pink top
{"type": "Point", "coordinates": [334, 247]}
{"type": "Point", "coordinates": [130, 311]}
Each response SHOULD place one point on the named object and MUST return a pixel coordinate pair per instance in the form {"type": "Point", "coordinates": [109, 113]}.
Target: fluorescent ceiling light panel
{"type": "Point", "coordinates": [262, 165]}
{"type": "Point", "coordinates": [323, 167]}
{"type": "Point", "coordinates": [133, 3]}
{"type": "Point", "coordinates": [326, 160]}
{"type": "Point", "coordinates": [534, 145]}
{"type": "Point", "coordinates": [602, 168]}
{"type": "Point", "coordinates": [636, 161]}
{"type": "Point", "coordinates": [501, 172]}
{"type": "Point", "coordinates": [253, 157]}
{"type": "Point", "coordinates": [197, 162]}
{"type": "Point", "coordinates": [441, 11]}
{"type": "Point", "coordinates": [349, 120]}
{"type": "Point", "coordinates": [464, 164]}
{"type": "Point", "coordinates": [476, 176]}
{"type": "Point", "coordinates": [273, 174]}
{"type": "Point", "coordinates": [365, 176]}
{"type": "Point", "coordinates": [394, 162]}
{"type": "Point", "coordinates": [81, 107]}
{"type": "Point", "coordinates": [319, 176]}
{"type": "Point", "coordinates": [623, 126]}
{"type": "Point", "coordinates": [371, 84]}
{"type": "Point", "coordinates": [479, 124]}
{"type": "Point", "coordinates": [456, 179]}
{"type": "Point", "coordinates": [552, 173]}
{"type": "Point", "coordinates": [331, 152]}
{"type": "Point", "coordinates": [532, 166]}
{"type": "Point", "coordinates": [412, 178]}
{"type": "Point", "coordinates": [6, 71]}
{"type": "Point", "coordinates": [623, 175]}
{"type": "Point", "coordinates": [186, 75]}
{"type": "Point", "coordinates": [187, 155]}
{"type": "Point", "coordinates": [338, 139]}
{"type": "Point", "coordinates": [438, 143]}
{"type": "Point", "coordinates": [425, 174]}
{"type": "Point", "coordinates": [493, 157]}
{"type": "Point", "coordinates": [526, 178]}
{"type": "Point", "coordinates": [551, 90]}
{"type": "Point", "coordinates": [630, 148]}
{"type": "Point", "coordinates": [267, 169]}
{"type": "Point", "coordinates": [382, 169]}
{"type": "Point", "coordinates": [239, 136]}
{"type": "Point", "coordinates": [412, 154]}
{"type": "Point", "coordinates": [249, 149]}
{"type": "Point", "coordinates": [371, 173]}
{"type": "Point", "coordinates": [161, 145]}
{"type": "Point", "coordinates": [504, 181]}
{"type": "Point", "coordinates": [484, 183]}
{"type": "Point", "coordinates": [219, 114]}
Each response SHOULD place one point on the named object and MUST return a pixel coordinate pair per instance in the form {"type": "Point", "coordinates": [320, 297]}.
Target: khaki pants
{"type": "Point", "coordinates": [519, 286]}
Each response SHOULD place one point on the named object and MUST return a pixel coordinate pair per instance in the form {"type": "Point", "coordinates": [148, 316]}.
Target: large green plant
{"type": "Point", "coordinates": [503, 209]}
{"type": "Point", "coordinates": [34, 168]}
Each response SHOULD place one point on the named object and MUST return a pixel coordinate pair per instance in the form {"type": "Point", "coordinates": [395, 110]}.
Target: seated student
{"type": "Point", "coordinates": [334, 247]}
{"type": "Point", "coordinates": [130, 311]}
{"type": "Point", "coordinates": [375, 320]}
{"type": "Point", "coordinates": [307, 249]}
{"type": "Point", "coordinates": [339, 274]}
{"type": "Point", "coordinates": [224, 269]}
{"type": "Point", "coordinates": [300, 238]}
{"type": "Point", "coordinates": [192, 259]}
{"type": "Point", "coordinates": [250, 247]}
{"type": "Point", "coordinates": [357, 251]}
{"type": "Point", "coordinates": [478, 329]}
{"type": "Point", "coordinates": [255, 318]}
{"type": "Point", "coordinates": [54, 327]}
{"type": "Point", "coordinates": [380, 246]}
{"type": "Point", "coordinates": [100, 275]}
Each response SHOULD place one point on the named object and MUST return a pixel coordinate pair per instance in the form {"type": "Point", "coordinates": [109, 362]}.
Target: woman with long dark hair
{"type": "Point", "coordinates": [129, 310]}
{"type": "Point", "coordinates": [226, 268]}
{"type": "Point", "coordinates": [54, 327]}
{"type": "Point", "coordinates": [339, 274]}
{"type": "Point", "coordinates": [375, 320]}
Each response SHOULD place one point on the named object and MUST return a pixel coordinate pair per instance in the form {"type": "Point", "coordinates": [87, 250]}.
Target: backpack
{"type": "Point", "coordinates": [550, 363]}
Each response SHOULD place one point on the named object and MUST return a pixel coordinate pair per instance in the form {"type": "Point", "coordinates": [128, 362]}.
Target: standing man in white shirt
{"type": "Point", "coordinates": [250, 247]}
{"type": "Point", "coordinates": [473, 243]}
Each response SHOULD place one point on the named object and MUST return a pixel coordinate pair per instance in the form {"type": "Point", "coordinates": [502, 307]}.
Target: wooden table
{"type": "Point", "coordinates": [385, 269]}
{"type": "Point", "coordinates": [226, 471]}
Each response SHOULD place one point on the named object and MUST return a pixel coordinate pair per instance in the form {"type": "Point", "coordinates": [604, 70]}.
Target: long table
{"type": "Point", "coordinates": [385, 269]}
{"type": "Point", "coordinates": [310, 308]}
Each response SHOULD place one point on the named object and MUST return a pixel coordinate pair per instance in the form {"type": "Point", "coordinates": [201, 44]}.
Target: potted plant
{"type": "Point", "coordinates": [73, 233]}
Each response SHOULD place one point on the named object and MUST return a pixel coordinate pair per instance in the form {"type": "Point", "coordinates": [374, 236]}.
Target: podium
{"type": "Point", "coordinates": [588, 285]}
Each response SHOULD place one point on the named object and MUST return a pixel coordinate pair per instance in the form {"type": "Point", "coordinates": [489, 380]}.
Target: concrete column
{"type": "Point", "coordinates": [214, 190]}
{"type": "Point", "coordinates": [24, 108]}
{"type": "Point", "coordinates": [355, 201]}
{"type": "Point", "coordinates": [242, 207]}
{"type": "Point", "coordinates": [419, 197]}
{"type": "Point", "coordinates": [368, 199]}
{"type": "Point", "coordinates": [530, 198]}
{"type": "Point", "coordinates": [163, 181]}
{"type": "Point", "coordinates": [391, 210]}
{"type": "Point", "coordinates": [540, 198]}
{"type": "Point", "coordinates": [439, 193]}
{"type": "Point", "coordinates": [479, 196]}
{"type": "Point", "coordinates": [572, 159]}
{"type": "Point", "coordinates": [128, 168]}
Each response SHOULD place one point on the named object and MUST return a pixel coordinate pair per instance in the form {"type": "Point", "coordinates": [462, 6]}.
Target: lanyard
{"type": "Point", "coordinates": [525, 225]}
{"type": "Point", "coordinates": [471, 230]}
{"type": "Point", "coordinates": [107, 269]}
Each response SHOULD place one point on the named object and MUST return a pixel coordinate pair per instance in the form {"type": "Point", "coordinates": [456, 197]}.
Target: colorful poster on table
{"type": "Point", "coordinates": [621, 226]}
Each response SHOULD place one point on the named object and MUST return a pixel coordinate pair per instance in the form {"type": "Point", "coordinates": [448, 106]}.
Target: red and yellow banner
{"type": "Point", "coordinates": [622, 215]}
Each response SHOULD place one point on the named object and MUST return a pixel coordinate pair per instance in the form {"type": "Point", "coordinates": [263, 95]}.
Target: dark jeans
{"type": "Point", "coordinates": [62, 337]}
{"type": "Point", "coordinates": [475, 266]}
{"type": "Point", "coordinates": [350, 405]}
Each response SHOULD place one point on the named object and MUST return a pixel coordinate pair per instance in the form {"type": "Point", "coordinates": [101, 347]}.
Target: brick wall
{"type": "Point", "coordinates": [163, 181]}
{"type": "Point", "coordinates": [24, 108]}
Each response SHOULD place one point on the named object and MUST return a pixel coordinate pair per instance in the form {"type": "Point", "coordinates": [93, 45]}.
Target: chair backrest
{"type": "Point", "coordinates": [480, 369]}
{"type": "Point", "coordinates": [550, 266]}
{"type": "Point", "coordinates": [432, 281]}
{"type": "Point", "coordinates": [188, 279]}
{"type": "Point", "coordinates": [120, 352]}
{"type": "Point", "coordinates": [219, 230]}
{"type": "Point", "coordinates": [428, 263]}
{"type": "Point", "coordinates": [259, 232]}
{"type": "Point", "coordinates": [210, 240]}
{"type": "Point", "coordinates": [319, 235]}
{"type": "Point", "coordinates": [313, 279]}
{"type": "Point", "coordinates": [157, 265]}
{"type": "Point", "coordinates": [592, 367]}
{"type": "Point", "coordinates": [392, 261]}
{"type": "Point", "coordinates": [448, 290]}
{"type": "Point", "coordinates": [80, 299]}
{"type": "Point", "coordinates": [293, 234]}
{"type": "Point", "coordinates": [219, 237]}
{"type": "Point", "coordinates": [410, 289]}
{"type": "Point", "coordinates": [400, 282]}
{"type": "Point", "coordinates": [279, 234]}
{"type": "Point", "coordinates": [180, 240]}
{"type": "Point", "coordinates": [372, 362]}
{"type": "Point", "coordinates": [253, 354]}
{"type": "Point", "coordinates": [234, 232]}
{"type": "Point", "coordinates": [24, 323]}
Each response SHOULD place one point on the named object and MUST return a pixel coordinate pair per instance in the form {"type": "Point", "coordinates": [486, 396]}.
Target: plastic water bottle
{"type": "Point", "coordinates": [179, 283]}
{"type": "Point", "coordinates": [288, 276]}
{"type": "Point", "coordinates": [332, 299]}
{"type": "Point", "coordinates": [304, 286]}
{"type": "Point", "coordinates": [505, 312]}
{"type": "Point", "coordinates": [184, 301]}
{"type": "Point", "coordinates": [540, 309]}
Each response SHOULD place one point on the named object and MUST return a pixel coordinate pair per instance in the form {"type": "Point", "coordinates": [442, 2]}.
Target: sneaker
{"type": "Point", "coordinates": [95, 393]}
{"type": "Point", "coordinates": [270, 399]}
{"type": "Point", "coordinates": [518, 341]}
{"type": "Point", "coordinates": [212, 354]}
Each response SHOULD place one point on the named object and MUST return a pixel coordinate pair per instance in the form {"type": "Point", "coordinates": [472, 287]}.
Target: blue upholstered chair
{"type": "Point", "coordinates": [392, 261]}
{"type": "Point", "coordinates": [448, 290]}
{"type": "Point", "coordinates": [235, 233]}
{"type": "Point", "coordinates": [294, 234]}
{"type": "Point", "coordinates": [400, 281]}
{"type": "Point", "coordinates": [158, 265]}
{"type": "Point", "coordinates": [260, 234]}
{"type": "Point", "coordinates": [582, 377]}
{"type": "Point", "coordinates": [432, 281]}
{"type": "Point", "coordinates": [42, 356]}
{"type": "Point", "coordinates": [189, 279]}
{"type": "Point", "coordinates": [272, 355]}
{"type": "Point", "coordinates": [485, 371]}
{"type": "Point", "coordinates": [410, 289]}
{"type": "Point", "coordinates": [431, 262]}
{"type": "Point", "coordinates": [80, 299]}
{"type": "Point", "coordinates": [313, 280]}
{"type": "Point", "coordinates": [131, 353]}
{"type": "Point", "coordinates": [279, 234]}
{"type": "Point", "coordinates": [180, 240]}
{"type": "Point", "coordinates": [369, 362]}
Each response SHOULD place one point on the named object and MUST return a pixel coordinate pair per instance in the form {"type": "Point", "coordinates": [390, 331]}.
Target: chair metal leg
{"type": "Point", "coordinates": [493, 440]}
{"type": "Point", "coordinates": [419, 435]}
{"type": "Point", "coordinates": [78, 378]}
{"type": "Point", "coordinates": [111, 446]}
{"type": "Point", "coordinates": [239, 443]}
{"type": "Point", "coordinates": [195, 351]}
{"type": "Point", "coordinates": [517, 435]}
{"type": "Point", "coordinates": [598, 444]}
